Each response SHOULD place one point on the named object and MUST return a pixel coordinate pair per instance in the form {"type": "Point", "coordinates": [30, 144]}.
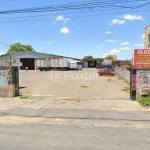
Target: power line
{"type": "Point", "coordinates": [76, 6]}
{"type": "Point", "coordinates": [4, 43]}
{"type": "Point", "coordinates": [90, 10]}
{"type": "Point", "coordinates": [6, 0]}
{"type": "Point", "coordinates": [94, 15]}
{"type": "Point", "coordinates": [76, 12]}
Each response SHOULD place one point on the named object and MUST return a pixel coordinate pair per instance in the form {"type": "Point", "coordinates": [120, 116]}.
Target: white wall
{"type": "Point", "coordinates": [124, 73]}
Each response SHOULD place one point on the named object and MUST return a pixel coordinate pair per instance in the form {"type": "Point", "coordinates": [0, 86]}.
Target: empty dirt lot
{"type": "Point", "coordinates": [84, 83]}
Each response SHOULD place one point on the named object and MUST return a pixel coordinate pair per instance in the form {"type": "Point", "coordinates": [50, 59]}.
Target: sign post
{"type": "Point", "coordinates": [133, 84]}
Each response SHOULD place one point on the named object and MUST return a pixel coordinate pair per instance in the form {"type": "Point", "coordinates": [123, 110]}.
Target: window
{"type": "Point", "coordinates": [149, 40]}
{"type": "Point", "coordinates": [145, 79]}
{"type": "Point", "coordinates": [79, 63]}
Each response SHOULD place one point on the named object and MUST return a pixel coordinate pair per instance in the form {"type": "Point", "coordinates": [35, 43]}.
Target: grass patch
{"type": "Point", "coordinates": [126, 89]}
{"type": "Point", "coordinates": [84, 86]}
{"type": "Point", "coordinates": [144, 101]}
{"type": "Point", "coordinates": [23, 97]}
{"type": "Point", "coordinates": [78, 100]}
{"type": "Point", "coordinates": [126, 82]}
{"type": "Point", "coordinates": [109, 80]}
{"type": "Point", "coordinates": [3, 96]}
{"type": "Point", "coordinates": [119, 78]}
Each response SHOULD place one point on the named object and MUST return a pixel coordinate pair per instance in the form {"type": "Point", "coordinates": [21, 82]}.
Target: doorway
{"type": "Point", "coordinates": [29, 62]}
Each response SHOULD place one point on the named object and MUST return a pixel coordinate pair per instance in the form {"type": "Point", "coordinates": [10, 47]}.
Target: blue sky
{"type": "Point", "coordinates": [96, 31]}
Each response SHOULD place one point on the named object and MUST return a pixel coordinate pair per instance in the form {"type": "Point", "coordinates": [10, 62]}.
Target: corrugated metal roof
{"type": "Point", "coordinates": [28, 54]}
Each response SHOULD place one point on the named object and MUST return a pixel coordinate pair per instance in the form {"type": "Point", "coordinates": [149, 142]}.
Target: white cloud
{"type": "Point", "coordinates": [124, 43]}
{"type": "Point", "coordinates": [64, 30]}
{"type": "Point", "coordinates": [117, 21]}
{"type": "Point", "coordinates": [99, 47]}
{"type": "Point", "coordinates": [133, 17]}
{"type": "Point", "coordinates": [1, 53]}
{"type": "Point", "coordinates": [124, 48]}
{"type": "Point", "coordinates": [62, 18]}
{"type": "Point", "coordinates": [108, 32]}
{"type": "Point", "coordinates": [139, 45]}
{"type": "Point", "coordinates": [66, 19]}
{"type": "Point", "coordinates": [48, 43]}
{"type": "Point", "coordinates": [111, 41]}
{"type": "Point", "coordinates": [143, 36]}
{"type": "Point", "coordinates": [105, 55]}
{"type": "Point", "coordinates": [115, 51]}
{"type": "Point", "coordinates": [71, 53]}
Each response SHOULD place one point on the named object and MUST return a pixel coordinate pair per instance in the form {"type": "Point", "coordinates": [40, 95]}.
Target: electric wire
{"type": "Point", "coordinates": [4, 43]}
{"type": "Point", "coordinates": [73, 6]}
{"type": "Point", "coordinates": [132, 9]}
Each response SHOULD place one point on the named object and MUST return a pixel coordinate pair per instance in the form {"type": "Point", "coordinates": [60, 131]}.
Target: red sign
{"type": "Point", "coordinates": [142, 58]}
{"type": "Point", "coordinates": [133, 82]}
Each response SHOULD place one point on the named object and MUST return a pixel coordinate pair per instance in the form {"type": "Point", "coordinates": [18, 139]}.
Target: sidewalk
{"type": "Point", "coordinates": [71, 103]}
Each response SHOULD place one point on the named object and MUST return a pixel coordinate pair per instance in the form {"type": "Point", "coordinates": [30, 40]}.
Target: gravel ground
{"type": "Point", "coordinates": [85, 83]}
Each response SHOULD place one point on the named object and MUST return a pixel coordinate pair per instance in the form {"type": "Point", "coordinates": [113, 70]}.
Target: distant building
{"type": "Point", "coordinates": [113, 56]}
{"type": "Point", "coordinates": [29, 59]}
{"type": "Point", "coordinates": [147, 37]}
{"type": "Point", "coordinates": [122, 63]}
{"type": "Point", "coordinates": [91, 63]}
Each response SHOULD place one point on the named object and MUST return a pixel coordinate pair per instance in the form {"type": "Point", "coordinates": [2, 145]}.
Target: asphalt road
{"type": "Point", "coordinates": [78, 129]}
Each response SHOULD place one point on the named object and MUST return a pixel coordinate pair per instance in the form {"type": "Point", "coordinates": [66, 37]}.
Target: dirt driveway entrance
{"type": "Point", "coordinates": [84, 83]}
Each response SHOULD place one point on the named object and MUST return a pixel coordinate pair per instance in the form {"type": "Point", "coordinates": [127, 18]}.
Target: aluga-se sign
{"type": "Point", "coordinates": [143, 51]}
{"type": "Point", "coordinates": [142, 58]}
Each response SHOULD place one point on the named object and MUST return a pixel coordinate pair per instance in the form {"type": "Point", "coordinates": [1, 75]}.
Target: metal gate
{"type": "Point", "coordinates": [3, 82]}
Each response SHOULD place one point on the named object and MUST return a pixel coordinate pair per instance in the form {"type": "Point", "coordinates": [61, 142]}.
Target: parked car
{"type": "Point", "coordinates": [106, 72]}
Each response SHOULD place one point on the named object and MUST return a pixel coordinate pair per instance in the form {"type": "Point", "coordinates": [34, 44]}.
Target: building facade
{"type": "Point", "coordinates": [147, 37]}
{"type": "Point", "coordinates": [113, 56]}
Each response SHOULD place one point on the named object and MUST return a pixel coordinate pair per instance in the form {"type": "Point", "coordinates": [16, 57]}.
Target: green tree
{"type": "Point", "coordinates": [109, 57]}
{"type": "Point", "coordinates": [88, 57]}
{"type": "Point", "coordinates": [18, 47]}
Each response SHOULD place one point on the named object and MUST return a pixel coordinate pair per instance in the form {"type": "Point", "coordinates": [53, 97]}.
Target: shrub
{"type": "Point", "coordinates": [144, 101]}
{"type": "Point", "coordinates": [23, 97]}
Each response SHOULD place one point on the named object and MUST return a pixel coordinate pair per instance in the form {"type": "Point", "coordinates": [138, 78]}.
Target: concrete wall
{"type": "Point", "coordinates": [147, 40]}
{"type": "Point", "coordinates": [124, 73]}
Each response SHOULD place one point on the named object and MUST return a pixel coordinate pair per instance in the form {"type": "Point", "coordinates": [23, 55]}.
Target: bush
{"type": "Point", "coordinates": [144, 101]}
{"type": "Point", "coordinates": [23, 97]}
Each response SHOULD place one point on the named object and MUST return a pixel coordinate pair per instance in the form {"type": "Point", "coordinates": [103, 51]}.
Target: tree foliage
{"type": "Point", "coordinates": [88, 57]}
{"type": "Point", "coordinates": [18, 47]}
{"type": "Point", "coordinates": [109, 58]}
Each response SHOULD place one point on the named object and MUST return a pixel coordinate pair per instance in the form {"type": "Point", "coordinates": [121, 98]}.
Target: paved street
{"type": "Point", "coordinates": [48, 137]}
{"type": "Point", "coordinates": [25, 124]}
